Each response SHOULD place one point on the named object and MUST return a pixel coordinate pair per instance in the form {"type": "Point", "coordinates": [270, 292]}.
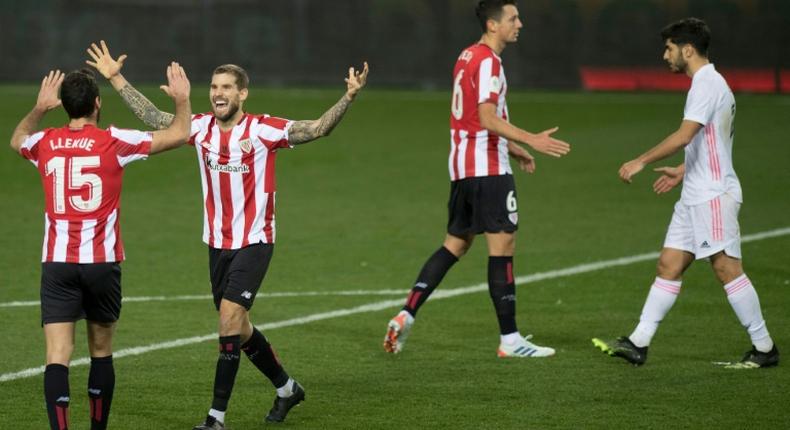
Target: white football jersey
{"type": "Point", "coordinates": [709, 170]}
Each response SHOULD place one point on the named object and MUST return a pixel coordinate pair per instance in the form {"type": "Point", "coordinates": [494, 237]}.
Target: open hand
{"type": "Point", "coordinates": [671, 177]}
{"type": "Point", "coordinates": [178, 85]}
{"type": "Point", "coordinates": [356, 80]}
{"type": "Point", "coordinates": [48, 95]}
{"type": "Point", "coordinates": [543, 142]}
{"type": "Point", "coordinates": [103, 61]}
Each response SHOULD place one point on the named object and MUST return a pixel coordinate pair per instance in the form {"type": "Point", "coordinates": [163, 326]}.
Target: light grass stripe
{"type": "Point", "coordinates": [387, 304]}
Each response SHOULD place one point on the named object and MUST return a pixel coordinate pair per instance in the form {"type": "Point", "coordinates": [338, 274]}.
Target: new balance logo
{"type": "Point", "coordinates": [704, 244]}
{"type": "Point", "coordinates": [421, 285]}
{"type": "Point", "coordinates": [247, 295]}
{"type": "Point", "coordinates": [62, 399]}
{"type": "Point", "coordinates": [94, 391]}
{"type": "Point", "coordinates": [228, 356]}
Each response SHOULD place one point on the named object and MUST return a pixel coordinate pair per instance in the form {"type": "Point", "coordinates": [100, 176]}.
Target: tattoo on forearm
{"type": "Point", "coordinates": [305, 131]}
{"type": "Point", "coordinates": [144, 109]}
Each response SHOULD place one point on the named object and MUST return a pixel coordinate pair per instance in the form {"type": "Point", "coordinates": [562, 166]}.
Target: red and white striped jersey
{"type": "Point", "coordinates": [237, 170]}
{"type": "Point", "coordinates": [81, 171]}
{"type": "Point", "coordinates": [474, 151]}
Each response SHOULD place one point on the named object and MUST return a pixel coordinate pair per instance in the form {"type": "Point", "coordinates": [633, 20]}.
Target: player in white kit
{"type": "Point", "coordinates": [705, 221]}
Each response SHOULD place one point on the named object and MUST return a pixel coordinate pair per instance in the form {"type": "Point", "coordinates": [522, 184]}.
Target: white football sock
{"type": "Point", "coordinates": [218, 415]}
{"type": "Point", "coordinates": [510, 338]}
{"type": "Point", "coordinates": [660, 299]}
{"type": "Point", "coordinates": [744, 301]}
{"type": "Point", "coordinates": [286, 390]}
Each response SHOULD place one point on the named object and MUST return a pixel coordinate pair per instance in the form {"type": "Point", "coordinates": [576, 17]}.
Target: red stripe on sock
{"type": "Point", "coordinates": [414, 297]}
{"type": "Point", "coordinates": [63, 417]}
{"type": "Point", "coordinates": [509, 272]}
{"type": "Point", "coordinates": [98, 416]}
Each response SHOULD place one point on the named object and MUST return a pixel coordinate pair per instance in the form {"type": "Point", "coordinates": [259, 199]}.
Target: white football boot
{"type": "Point", "coordinates": [523, 348]}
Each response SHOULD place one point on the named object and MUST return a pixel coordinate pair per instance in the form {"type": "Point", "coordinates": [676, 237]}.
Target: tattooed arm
{"type": "Point", "coordinates": [306, 131]}
{"type": "Point", "coordinates": [141, 107]}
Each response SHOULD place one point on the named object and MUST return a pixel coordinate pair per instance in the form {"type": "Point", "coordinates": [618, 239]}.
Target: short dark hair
{"type": "Point", "coordinates": [691, 31]}
{"type": "Point", "coordinates": [78, 93]}
{"type": "Point", "coordinates": [242, 79]}
{"type": "Point", "coordinates": [490, 9]}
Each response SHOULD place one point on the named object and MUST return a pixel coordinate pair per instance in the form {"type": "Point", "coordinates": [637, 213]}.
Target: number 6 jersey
{"type": "Point", "coordinates": [478, 78]}
{"type": "Point", "coordinates": [81, 171]}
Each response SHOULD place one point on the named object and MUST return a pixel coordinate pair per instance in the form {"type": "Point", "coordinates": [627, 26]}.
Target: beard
{"type": "Point", "coordinates": [232, 109]}
{"type": "Point", "coordinates": [678, 65]}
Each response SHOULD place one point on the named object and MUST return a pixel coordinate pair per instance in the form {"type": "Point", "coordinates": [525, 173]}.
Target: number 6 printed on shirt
{"type": "Point", "coordinates": [458, 97]}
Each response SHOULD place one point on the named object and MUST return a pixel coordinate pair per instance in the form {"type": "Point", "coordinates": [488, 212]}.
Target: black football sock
{"type": "Point", "coordinates": [502, 288]}
{"type": "Point", "coordinates": [227, 366]}
{"type": "Point", "coordinates": [261, 354]}
{"type": "Point", "coordinates": [101, 384]}
{"type": "Point", "coordinates": [56, 393]}
{"type": "Point", "coordinates": [429, 278]}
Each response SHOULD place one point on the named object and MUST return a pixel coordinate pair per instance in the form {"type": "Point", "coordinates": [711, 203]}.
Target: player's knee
{"type": "Point", "coordinates": [458, 247]}
{"type": "Point", "coordinates": [232, 319]}
{"type": "Point", "coordinates": [666, 269]}
{"type": "Point", "coordinates": [460, 250]}
{"type": "Point", "coordinates": [726, 269]}
{"type": "Point", "coordinates": [59, 353]}
{"type": "Point", "coordinates": [100, 347]}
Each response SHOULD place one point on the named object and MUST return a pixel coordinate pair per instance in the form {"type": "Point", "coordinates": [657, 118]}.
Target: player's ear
{"type": "Point", "coordinates": [97, 103]}
{"type": "Point", "coordinates": [687, 50]}
{"type": "Point", "coordinates": [243, 94]}
{"type": "Point", "coordinates": [491, 25]}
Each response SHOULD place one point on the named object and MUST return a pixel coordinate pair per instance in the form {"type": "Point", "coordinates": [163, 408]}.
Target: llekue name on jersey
{"type": "Point", "coordinates": [68, 143]}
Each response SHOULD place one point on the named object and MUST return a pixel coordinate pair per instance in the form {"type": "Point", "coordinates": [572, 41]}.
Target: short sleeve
{"type": "Point", "coordinates": [29, 148]}
{"type": "Point", "coordinates": [273, 132]}
{"type": "Point", "coordinates": [131, 145]}
{"type": "Point", "coordinates": [489, 83]}
{"type": "Point", "coordinates": [700, 104]}
{"type": "Point", "coordinates": [195, 128]}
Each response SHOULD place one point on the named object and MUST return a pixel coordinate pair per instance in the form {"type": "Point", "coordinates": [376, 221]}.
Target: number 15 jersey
{"type": "Point", "coordinates": [81, 172]}
{"type": "Point", "coordinates": [478, 78]}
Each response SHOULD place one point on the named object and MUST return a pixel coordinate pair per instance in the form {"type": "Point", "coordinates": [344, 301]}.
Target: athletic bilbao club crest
{"type": "Point", "coordinates": [513, 216]}
{"type": "Point", "coordinates": [245, 145]}
{"type": "Point", "coordinates": [205, 144]}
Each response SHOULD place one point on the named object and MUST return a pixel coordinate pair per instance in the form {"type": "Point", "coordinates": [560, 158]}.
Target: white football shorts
{"type": "Point", "coordinates": [706, 229]}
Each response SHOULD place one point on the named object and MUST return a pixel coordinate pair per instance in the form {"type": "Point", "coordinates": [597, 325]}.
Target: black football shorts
{"type": "Point", "coordinates": [482, 205]}
{"type": "Point", "coordinates": [70, 292]}
{"type": "Point", "coordinates": [236, 274]}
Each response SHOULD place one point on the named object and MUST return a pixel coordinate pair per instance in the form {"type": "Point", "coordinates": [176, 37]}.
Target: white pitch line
{"type": "Point", "coordinates": [132, 299]}
{"type": "Point", "coordinates": [386, 304]}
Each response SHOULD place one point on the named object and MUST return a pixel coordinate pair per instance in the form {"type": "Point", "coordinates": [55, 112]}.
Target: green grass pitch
{"type": "Point", "coordinates": [362, 210]}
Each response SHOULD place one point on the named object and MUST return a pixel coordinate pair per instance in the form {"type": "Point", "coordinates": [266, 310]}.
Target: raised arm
{"type": "Point", "coordinates": [306, 131]}
{"type": "Point", "coordinates": [47, 100]}
{"type": "Point", "coordinates": [177, 133]}
{"type": "Point", "coordinates": [142, 108]}
{"type": "Point", "coordinates": [670, 145]}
